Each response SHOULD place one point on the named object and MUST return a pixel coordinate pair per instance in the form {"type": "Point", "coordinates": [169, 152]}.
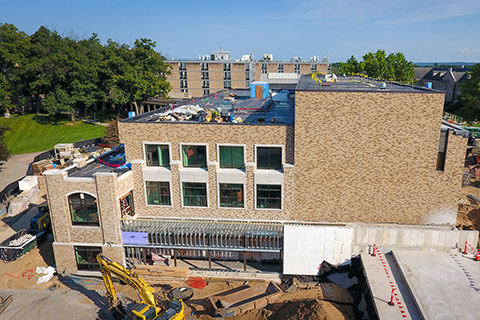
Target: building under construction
{"type": "Point", "coordinates": [277, 180]}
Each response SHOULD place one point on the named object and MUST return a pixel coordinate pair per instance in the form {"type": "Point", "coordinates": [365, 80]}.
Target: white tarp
{"type": "Point", "coordinates": [305, 247]}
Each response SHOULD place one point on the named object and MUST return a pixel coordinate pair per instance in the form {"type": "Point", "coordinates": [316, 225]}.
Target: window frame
{"type": "Point", "coordinates": [232, 145]}
{"type": "Point", "coordinates": [206, 194]}
{"type": "Point", "coordinates": [158, 205]}
{"type": "Point", "coordinates": [132, 206]}
{"type": "Point", "coordinates": [194, 144]}
{"type": "Point", "coordinates": [96, 266]}
{"type": "Point", "coordinates": [82, 224]}
{"type": "Point", "coordinates": [281, 196]}
{"type": "Point", "coordinates": [218, 195]}
{"type": "Point", "coordinates": [282, 162]}
{"type": "Point", "coordinates": [144, 148]}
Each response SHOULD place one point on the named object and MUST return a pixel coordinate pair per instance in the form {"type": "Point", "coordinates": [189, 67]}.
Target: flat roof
{"type": "Point", "coordinates": [239, 61]}
{"type": "Point", "coordinates": [357, 84]}
{"type": "Point", "coordinates": [88, 170]}
{"type": "Point", "coordinates": [277, 109]}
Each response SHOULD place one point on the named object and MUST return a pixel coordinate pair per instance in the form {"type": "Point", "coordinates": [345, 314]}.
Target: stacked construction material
{"type": "Point", "coordinates": [17, 245]}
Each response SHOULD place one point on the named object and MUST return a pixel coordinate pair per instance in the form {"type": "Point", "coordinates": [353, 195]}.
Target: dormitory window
{"type": "Point", "coordinates": [194, 194]}
{"type": "Point", "coordinates": [206, 92]}
{"type": "Point", "coordinates": [204, 66]}
{"type": "Point", "coordinates": [194, 156]}
{"type": "Point", "coordinates": [157, 155]}
{"type": "Point", "coordinates": [183, 75]}
{"type": "Point", "coordinates": [313, 68]}
{"type": "Point", "coordinates": [226, 67]}
{"type": "Point", "coordinates": [264, 68]}
{"type": "Point", "coordinates": [227, 75]}
{"type": "Point", "coordinates": [87, 258]}
{"type": "Point", "coordinates": [205, 84]}
{"type": "Point", "coordinates": [269, 158]}
{"type": "Point", "coordinates": [247, 67]}
{"type": "Point", "coordinates": [269, 196]}
{"type": "Point", "coordinates": [182, 66]}
{"type": "Point", "coordinates": [126, 205]}
{"type": "Point", "coordinates": [158, 193]}
{"type": "Point", "coordinates": [227, 84]}
{"type": "Point", "coordinates": [83, 209]}
{"type": "Point", "coordinates": [231, 157]}
{"type": "Point", "coordinates": [205, 75]}
{"type": "Point", "coordinates": [183, 86]}
{"type": "Point", "coordinates": [231, 195]}
{"type": "Point", "coordinates": [442, 151]}
{"type": "Point", "coordinates": [280, 68]}
{"type": "Point", "coordinates": [296, 68]}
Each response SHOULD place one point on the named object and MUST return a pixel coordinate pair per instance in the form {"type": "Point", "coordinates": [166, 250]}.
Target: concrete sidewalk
{"type": "Point", "coordinates": [15, 168]}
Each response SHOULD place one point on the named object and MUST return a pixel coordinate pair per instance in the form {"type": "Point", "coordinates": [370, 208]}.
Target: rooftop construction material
{"type": "Point", "coordinates": [228, 106]}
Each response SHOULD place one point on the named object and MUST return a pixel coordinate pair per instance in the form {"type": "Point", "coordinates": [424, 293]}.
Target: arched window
{"type": "Point", "coordinates": [83, 208]}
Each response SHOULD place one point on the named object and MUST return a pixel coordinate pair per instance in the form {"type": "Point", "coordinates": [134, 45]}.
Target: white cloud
{"type": "Point", "coordinates": [331, 12]}
{"type": "Point", "coordinates": [469, 51]}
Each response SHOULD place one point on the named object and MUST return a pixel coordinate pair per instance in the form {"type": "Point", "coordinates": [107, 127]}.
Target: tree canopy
{"type": "Point", "coordinates": [470, 96]}
{"type": "Point", "coordinates": [67, 74]}
{"type": "Point", "coordinates": [393, 67]}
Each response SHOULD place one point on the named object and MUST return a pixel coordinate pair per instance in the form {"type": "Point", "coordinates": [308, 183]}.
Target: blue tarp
{"type": "Point", "coordinates": [134, 237]}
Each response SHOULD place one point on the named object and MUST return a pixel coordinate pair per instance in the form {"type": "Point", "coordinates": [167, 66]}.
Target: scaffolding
{"type": "Point", "coordinates": [209, 235]}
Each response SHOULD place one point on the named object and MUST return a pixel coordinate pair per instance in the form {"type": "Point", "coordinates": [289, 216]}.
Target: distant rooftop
{"type": "Point", "coordinates": [230, 105]}
{"type": "Point", "coordinates": [357, 84]}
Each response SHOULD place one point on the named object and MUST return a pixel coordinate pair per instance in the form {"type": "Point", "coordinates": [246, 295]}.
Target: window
{"type": "Point", "coordinates": [205, 75]}
{"type": "Point", "coordinates": [227, 75]}
{"type": "Point", "coordinates": [442, 151]}
{"type": "Point", "coordinates": [280, 68]}
{"type": "Point", "coordinates": [87, 258]}
{"type": "Point", "coordinates": [227, 84]}
{"type": "Point", "coordinates": [269, 158]}
{"type": "Point", "coordinates": [296, 68]}
{"type": "Point", "coordinates": [231, 157]}
{"type": "Point", "coordinates": [194, 194]}
{"type": "Point", "coordinates": [313, 68]}
{"type": "Point", "coordinates": [204, 66]}
{"type": "Point", "coordinates": [231, 195]}
{"type": "Point", "coordinates": [206, 92]}
{"type": "Point", "coordinates": [205, 84]}
{"type": "Point", "coordinates": [183, 75]}
{"type": "Point", "coordinates": [83, 208]}
{"type": "Point", "coordinates": [247, 84]}
{"type": "Point", "coordinates": [226, 67]}
{"type": "Point", "coordinates": [158, 193]}
{"type": "Point", "coordinates": [247, 67]}
{"type": "Point", "coordinates": [157, 155]}
{"type": "Point", "coordinates": [183, 86]}
{"type": "Point", "coordinates": [247, 75]}
{"type": "Point", "coordinates": [182, 66]}
{"type": "Point", "coordinates": [126, 205]}
{"type": "Point", "coordinates": [194, 156]}
{"type": "Point", "coordinates": [269, 196]}
{"type": "Point", "coordinates": [264, 68]}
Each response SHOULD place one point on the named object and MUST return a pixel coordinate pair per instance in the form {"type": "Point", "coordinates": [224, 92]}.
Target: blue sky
{"type": "Point", "coordinates": [425, 30]}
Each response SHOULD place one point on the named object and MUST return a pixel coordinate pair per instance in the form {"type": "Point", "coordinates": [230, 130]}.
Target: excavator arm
{"type": "Point", "coordinates": [150, 307]}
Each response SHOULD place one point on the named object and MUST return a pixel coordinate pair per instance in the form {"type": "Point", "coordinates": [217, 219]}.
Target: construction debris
{"type": "Point", "coordinates": [232, 304]}
{"type": "Point", "coordinates": [5, 301]}
{"type": "Point", "coordinates": [21, 240]}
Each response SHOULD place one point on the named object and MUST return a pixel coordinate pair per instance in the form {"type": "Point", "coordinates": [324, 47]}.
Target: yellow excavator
{"type": "Point", "coordinates": [152, 305]}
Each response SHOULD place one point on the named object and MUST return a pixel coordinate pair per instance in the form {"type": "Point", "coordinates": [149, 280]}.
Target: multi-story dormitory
{"type": "Point", "coordinates": [318, 173]}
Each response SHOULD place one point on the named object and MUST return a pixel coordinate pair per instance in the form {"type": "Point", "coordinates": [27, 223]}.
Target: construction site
{"type": "Point", "coordinates": [254, 204]}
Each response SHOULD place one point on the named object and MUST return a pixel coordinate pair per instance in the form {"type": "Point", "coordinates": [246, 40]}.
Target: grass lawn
{"type": "Point", "coordinates": [34, 132]}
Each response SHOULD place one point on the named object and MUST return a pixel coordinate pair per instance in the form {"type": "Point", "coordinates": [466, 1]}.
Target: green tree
{"type": "Point", "coordinates": [4, 152]}
{"type": "Point", "coordinates": [351, 66]}
{"type": "Point", "coordinates": [470, 96]}
{"type": "Point", "coordinates": [111, 136]}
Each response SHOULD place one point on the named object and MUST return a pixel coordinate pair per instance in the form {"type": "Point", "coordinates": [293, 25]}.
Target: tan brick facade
{"type": "Point", "coordinates": [372, 157]}
{"type": "Point", "coordinates": [133, 134]}
{"type": "Point", "coordinates": [238, 74]}
{"type": "Point", "coordinates": [107, 188]}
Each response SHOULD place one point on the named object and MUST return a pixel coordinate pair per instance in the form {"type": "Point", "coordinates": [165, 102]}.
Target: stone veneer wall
{"type": "Point", "coordinates": [107, 188]}
{"type": "Point", "coordinates": [133, 134]}
{"type": "Point", "coordinates": [371, 157]}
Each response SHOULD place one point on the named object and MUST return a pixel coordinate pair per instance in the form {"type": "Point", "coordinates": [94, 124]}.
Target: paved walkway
{"type": "Point", "coordinates": [15, 168]}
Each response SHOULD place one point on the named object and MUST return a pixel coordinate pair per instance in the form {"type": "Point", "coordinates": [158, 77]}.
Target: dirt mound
{"type": "Point", "coordinates": [311, 309]}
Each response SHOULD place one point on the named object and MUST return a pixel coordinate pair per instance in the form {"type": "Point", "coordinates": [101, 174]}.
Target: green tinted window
{"type": "Point", "coordinates": [231, 157]}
